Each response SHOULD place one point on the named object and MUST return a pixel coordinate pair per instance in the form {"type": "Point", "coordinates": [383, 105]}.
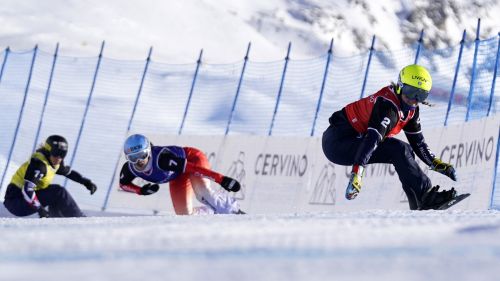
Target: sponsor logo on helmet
{"type": "Point", "coordinates": [60, 145]}
{"type": "Point", "coordinates": [422, 79]}
{"type": "Point", "coordinates": [134, 148]}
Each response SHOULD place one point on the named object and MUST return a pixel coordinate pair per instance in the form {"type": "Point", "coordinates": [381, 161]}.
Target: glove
{"type": "Point", "coordinates": [230, 184]}
{"type": "Point", "coordinates": [90, 186]}
{"type": "Point", "coordinates": [354, 186]}
{"type": "Point", "coordinates": [149, 188]}
{"type": "Point", "coordinates": [444, 168]}
{"type": "Point", "coordinates": [42, 213]}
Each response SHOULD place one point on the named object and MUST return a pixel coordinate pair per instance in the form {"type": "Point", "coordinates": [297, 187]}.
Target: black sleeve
{"type": "Point", "coordinates": [126, 176]}
{"type": "Point", "coordinates": [413, 126]}
{"type": "Point", "coordinates": [63, 169]}
{"type": "Point", "coordinates": [36, 171]}
{"type": "Point", "coordinates": [413, 132]}
{"type": "Point", "coordinates": [366, 149]}
{"type": "Point", "coordinates": [168, 161]}
{"type": "Point", "coordinates": [71, 174]}
{"type": "Point", "coordinates": [383, 118]}
{"type": "Point", "coordinates": [75, 176]}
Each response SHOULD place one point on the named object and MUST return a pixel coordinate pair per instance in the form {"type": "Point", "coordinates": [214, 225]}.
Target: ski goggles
{"type": "Point", "coordinates": [138, 156]}
{"type": "Point", "coordinates": [58, 153]}
{"type": "Point", "coordinates": [59, 150]}
{"type": "Point", "coordinates": [414, 93]}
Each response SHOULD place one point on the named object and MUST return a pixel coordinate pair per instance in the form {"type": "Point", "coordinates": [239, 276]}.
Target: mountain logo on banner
{"type": "Point", "coordinates": [324, 192]}
{"type": "Point", "coordinates": [237, 171]}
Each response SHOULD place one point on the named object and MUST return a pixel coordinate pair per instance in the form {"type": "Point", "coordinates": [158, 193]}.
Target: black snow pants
{"type": "Point", "coordinates": [56, 197]}
{"type": "Point", "coordinates": [341, 142]}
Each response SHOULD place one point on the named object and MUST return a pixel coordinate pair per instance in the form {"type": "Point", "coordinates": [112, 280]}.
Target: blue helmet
{"type": "Point", "coordinates": [137, 147]}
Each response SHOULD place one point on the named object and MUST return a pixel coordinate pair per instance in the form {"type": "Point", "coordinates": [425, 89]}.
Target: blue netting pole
{"type": "Point", "coordinates": [492, 93]}
{"type": "Point", "coordinates": [473, 78]}
{"type": "Point", "coordinates": [238, 90]}
{"type": "Point", "coordinates": [325, 75]}
{"type": "Point", "coordinates": [419, 46]}
{"type": "Point", "coordinates": [457, 69]}
{"type": "Point", "coordinates": [7, 51]}
{"type": "Point", "coordinates": [89, 99]}
{"type": "Point", "coordinates": [108, 192]}
{"type": "Point", "coordinates": [287, 58]}
{"type": "Point", "coordinates": [198, 63]}
{"type": "Point", "coordinates": [47, 92]}
{"type": "Point", "coordinates": [20, 117]}
{"type": "Point", "coordinates": [493, 190]}
{"type": "Point", "coordinates": [367, 68]}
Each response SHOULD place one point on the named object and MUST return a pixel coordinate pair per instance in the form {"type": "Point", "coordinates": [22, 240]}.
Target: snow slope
{"type": "Point", "coordinates": [373, 245]}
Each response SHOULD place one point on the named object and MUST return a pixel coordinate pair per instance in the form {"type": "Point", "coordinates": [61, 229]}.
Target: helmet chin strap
{"type": "Point", "coordinates": [404, 106]}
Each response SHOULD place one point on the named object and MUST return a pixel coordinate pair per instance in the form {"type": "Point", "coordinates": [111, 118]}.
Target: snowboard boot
{"type": "Point", "coordinates": [434, 199]}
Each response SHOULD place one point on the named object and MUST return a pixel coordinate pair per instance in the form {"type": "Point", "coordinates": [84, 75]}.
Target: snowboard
{"type": "Point", "coordinates": [453, 201]}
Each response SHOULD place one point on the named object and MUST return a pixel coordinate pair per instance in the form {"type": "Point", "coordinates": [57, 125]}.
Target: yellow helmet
{"type": "Point", "coordinates": [415, 82]}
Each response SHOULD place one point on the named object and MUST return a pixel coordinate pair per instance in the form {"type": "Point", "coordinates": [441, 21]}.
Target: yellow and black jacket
{"type": "Point", "coordinates": [39, 172]}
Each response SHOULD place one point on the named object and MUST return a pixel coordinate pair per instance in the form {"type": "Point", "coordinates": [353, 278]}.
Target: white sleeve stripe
{"type": "Point", "coordinates": [33, 199]}
{"type": "Point", "coordinates": [378, 133]}
{"type": "Point", "coordinates": [413, 133]}
{"type": "Point", "coordinates": [127, 188]}
{"type": "Point", "coordinates": [30, 182]}
{"type": "Point", "coordinates": [69, 171]}
{"type": "Point", "coordinates": [27, 197]}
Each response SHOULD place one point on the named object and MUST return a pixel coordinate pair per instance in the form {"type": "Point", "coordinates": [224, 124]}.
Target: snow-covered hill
{"type": "Point", "coordinates": [179, 29]}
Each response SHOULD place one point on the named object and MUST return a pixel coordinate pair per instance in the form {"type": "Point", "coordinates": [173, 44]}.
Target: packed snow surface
{"type": "Point", "coordinates": [369, 245]}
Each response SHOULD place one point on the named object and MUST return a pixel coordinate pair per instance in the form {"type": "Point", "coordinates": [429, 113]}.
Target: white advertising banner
{"type": "Point", "coordinates": [471, 149]}
{"type": "Point", "coordinates": [291, 174]}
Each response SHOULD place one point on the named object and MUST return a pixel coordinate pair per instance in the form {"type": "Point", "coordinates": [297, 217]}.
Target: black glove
{"type": "Point", "coordinates": [149, 188]}
{"type": "Point", "coordinates": [90, 186]}
{"type": "Point", "coordinates": [42, 213]}
{"type": "Point", "coordinates": [230, 184]}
